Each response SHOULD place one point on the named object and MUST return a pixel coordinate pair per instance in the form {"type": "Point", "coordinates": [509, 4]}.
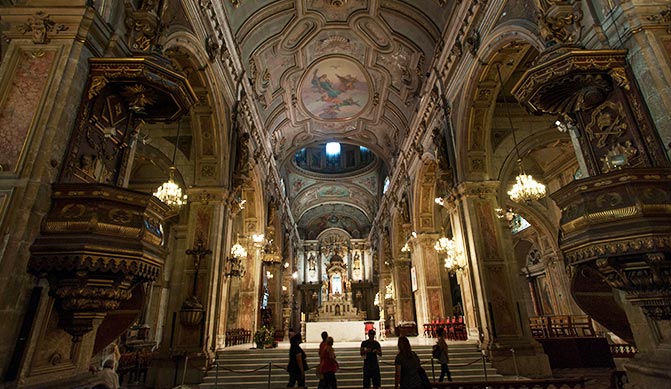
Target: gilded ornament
{"type": "Point", "coordinates": [138, 97]}
{"type": "Point", "coordinates": [607, 121]}
{"type": "Point", "coordinates": [560, 23]}
{"type": "Point", "coordinates": [619, 75]}
{"type": "Point", "coordinates": [97, 84]}
{"type": "Point", "coordinates": [618, 156]}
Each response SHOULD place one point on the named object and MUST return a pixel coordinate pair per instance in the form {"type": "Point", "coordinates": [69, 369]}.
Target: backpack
{"type": "Point", "coordinates": [436, 352]}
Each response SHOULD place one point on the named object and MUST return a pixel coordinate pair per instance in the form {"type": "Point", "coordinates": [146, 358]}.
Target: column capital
{"type": "Point", "coordinates": [207, 195]}
{"type": "Point", "coordinates": [480, 189]}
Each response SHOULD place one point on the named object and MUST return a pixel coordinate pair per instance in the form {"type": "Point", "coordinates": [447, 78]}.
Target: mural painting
{"type": "Point", "coordinates": [334, 89]}
{"type": "Point", "coordinates": [333, 191]}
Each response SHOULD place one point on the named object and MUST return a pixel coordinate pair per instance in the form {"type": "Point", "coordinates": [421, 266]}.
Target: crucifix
{"type": "Point", "coordinates": [198, 253]}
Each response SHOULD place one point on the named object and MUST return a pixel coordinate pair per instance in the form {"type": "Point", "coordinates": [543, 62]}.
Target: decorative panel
{"type": "Point", "coordinates": [25, 81]}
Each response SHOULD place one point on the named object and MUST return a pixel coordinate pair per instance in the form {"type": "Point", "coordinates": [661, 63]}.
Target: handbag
{"type": "Point", "coordinates": [424, 378]}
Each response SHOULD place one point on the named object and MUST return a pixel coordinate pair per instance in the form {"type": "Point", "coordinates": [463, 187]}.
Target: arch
{"type": "Point", "coordinates": [424, 194]}
{"type": "Point", "coordinates": [508, 45]}
{"type": "Point", "coordinates": [210, 117]}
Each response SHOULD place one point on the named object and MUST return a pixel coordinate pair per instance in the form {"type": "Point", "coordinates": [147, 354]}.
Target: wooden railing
{"type": "Point", "coordinates": [561, 326]}
{"type": "Point", "coordinates": [135, 364]}
{"type": "Point", "coordinates": [238, 336]}
{"type": "Point", "coordinates": [521, 384]}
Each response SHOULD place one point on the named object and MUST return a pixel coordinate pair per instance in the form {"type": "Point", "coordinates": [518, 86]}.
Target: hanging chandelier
{"type": "Point", "coordinates": [448, 247]}
{"type": "Point", "coordinates": [169, 192]}
{"type": "Point", "coordinates": [526, 188]}
{"type": "Point", "coordinates": [236, 268]}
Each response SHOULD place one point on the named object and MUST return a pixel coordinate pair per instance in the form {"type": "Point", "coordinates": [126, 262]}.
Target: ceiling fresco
{"type": "Point", "coordinates": [348, 71]}
{"type": "Point", "coordinates": [334, 89]}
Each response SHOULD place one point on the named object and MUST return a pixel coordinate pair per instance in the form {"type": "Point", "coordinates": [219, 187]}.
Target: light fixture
{"type": "Point", "coordinates": [508, 214]}
{"type": "Point", "coordinates": [448, 247]}
{"type": "Point", "coordinates": [236, 268]}
{"type": "Point", "coordinates": [526, 188]}
{"type": "Point", "coordinates": [169, 192]}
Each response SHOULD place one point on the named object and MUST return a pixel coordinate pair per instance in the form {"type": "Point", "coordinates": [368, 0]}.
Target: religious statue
{"type": "Point", "coordinates": [312, 263]}
{"type": "Point", "coordinates": [325, 290]}
{"type": "Point", "coordinates": [357, 262]}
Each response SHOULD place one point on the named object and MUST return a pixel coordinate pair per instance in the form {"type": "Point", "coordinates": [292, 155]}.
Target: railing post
{"type": "Point", "coordinates": [484, 365]}
{"type": "Point", "coordinates": [270, 372]}
{"type": "Point", "coordinates": [186, 363]}
{"type": "Point", "coordinates": [517, 371]}
{"type": "Point", "coordinates": [216, 375]}
{"type": "Point", "coordinates": [433, 370]}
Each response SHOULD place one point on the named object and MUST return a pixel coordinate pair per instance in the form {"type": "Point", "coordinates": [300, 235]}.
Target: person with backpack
{"type": "Point", "coordinates": [409, 373]}
{"type": "Point", "coordinates": [440, 353]}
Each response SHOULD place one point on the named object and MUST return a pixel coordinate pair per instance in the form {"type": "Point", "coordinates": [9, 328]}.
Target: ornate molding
{"type": "Point", "coordinates": [41, 26]}
{"type": "Point", "coordinates": [96, 243]}
{"type": "Point", "coordinates": [559, 22]}
{"type": "Point", "coordinates": [583, 72]}
{"type": "Point", "coordinates": [646, 281]}
{"type": "Point", "coordinates": [620, 223]}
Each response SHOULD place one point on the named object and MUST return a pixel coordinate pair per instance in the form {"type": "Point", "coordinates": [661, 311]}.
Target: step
{"type": "Point", "coordinates": [248, 368]}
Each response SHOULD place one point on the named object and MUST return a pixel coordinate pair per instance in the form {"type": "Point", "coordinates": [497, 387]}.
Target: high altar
{"type": "Point", "coordinates": [336, 294]}
{"type": "Point", "coordinates": [337, 314]}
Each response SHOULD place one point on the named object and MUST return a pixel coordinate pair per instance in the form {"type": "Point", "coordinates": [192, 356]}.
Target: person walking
{"type": "Point", "coordinates": [444, 356]}
{"type": "Point", "coordinates": [329, 365]}
{"type": "Point", "coordinates": [322, 347]}
{"type": "Point", "coordinates": [297, 363]}
{"type": "Point", "coordinates": [371, 350]}
{"type": "Point", "coordinates": [407, 367]}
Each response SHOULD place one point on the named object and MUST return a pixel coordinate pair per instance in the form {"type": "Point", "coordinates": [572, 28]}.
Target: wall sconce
{"type": "Point", "coordinates": [405, 251]}
{"type": "Point", "coordinates": [236, 268]}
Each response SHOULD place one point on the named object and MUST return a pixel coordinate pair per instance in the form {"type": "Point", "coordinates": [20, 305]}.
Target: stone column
{"type": "Point", "coordinates": [496, 297]}
{"type": "Point", "coordinates": [617, 222]}
{"type": "Point", "coordinates": [429, 295]}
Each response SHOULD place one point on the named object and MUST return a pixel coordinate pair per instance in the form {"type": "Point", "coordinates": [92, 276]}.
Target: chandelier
{"type": "Point", "coordinates": [235, 266]}
{"type": "Point", "coordinates": [169, 192]}
{"type": "Point", "coordinates": [526, 188]}
{"type": "Point", "coordinates": [448, 247]}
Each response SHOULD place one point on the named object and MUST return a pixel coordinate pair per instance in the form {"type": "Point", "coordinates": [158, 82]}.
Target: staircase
{"type": "Point", "coordinates": [465, 365]}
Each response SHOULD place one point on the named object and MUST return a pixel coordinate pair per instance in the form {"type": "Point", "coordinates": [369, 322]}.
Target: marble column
{"type": "Point", "coordinates": [428, 267]}
{"type": "Point", "coordinates": [496, 298]}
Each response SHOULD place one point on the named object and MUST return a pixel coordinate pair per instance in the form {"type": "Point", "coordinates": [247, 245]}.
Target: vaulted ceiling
{"type": "Point", "coordinates": [348, 71]}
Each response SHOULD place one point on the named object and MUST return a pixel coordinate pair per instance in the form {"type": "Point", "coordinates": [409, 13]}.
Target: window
{"type": "Point", "coordinates": [333, 149]}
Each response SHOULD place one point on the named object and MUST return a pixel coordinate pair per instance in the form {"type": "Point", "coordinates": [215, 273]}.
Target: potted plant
{"type": "Point", "coordinates": [264, 337]}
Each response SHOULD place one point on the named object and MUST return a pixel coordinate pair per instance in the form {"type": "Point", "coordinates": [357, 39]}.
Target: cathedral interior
{"type": "Point", "coordinates": [175, 172]}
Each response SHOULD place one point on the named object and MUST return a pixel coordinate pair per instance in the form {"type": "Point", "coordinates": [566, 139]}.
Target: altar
{"type": "Point", "coordinates": [341, 331]}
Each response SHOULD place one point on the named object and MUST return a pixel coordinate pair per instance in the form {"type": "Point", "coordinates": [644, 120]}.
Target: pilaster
{"type": "Point", "coordinates": [496, 298]}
